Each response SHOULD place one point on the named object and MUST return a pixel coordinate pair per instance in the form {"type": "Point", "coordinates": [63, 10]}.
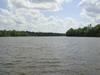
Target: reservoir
{"type": "Point", "coordinates": [49, 56]}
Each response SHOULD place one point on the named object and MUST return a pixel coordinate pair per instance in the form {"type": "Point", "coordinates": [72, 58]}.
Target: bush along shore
{"type": "Point", "coordinates": [8, 33]}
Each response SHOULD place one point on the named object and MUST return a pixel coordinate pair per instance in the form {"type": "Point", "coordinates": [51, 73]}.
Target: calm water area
{"type": "Point", "coordinates": [49, 56]}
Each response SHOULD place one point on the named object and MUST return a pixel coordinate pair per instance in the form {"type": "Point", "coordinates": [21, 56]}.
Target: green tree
{"type": "Point", "coordinates": [85, 31]}
{"type": "Point", "coordinates": [13, 33]}
{"type": "Point", "coordinates": [1, 34]}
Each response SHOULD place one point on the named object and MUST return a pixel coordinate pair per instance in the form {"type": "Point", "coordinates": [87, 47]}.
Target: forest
{"type": "Point", "coordinates": [88, 31]}
{"type": "Point", "coordinates": [8, 33]}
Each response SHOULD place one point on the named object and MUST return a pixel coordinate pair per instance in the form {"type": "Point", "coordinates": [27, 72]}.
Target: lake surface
{"type": "Point", "coordinates": [49, 56]}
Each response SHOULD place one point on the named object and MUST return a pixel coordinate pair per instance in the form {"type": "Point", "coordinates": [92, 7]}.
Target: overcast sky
{"type": "Point", "coordinates": [48, 15]}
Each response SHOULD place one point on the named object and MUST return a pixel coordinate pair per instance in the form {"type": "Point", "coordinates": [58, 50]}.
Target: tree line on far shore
{"type": "Point", "coordinates": [88, 31]}
{"type": "Point", "coordinates": [8, 33]}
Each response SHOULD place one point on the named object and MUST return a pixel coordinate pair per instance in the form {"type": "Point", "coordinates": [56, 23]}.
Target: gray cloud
{"type": "Point", "coordinates": [93, 9]}
{"type": "Point", "coordinates": [43, 1]}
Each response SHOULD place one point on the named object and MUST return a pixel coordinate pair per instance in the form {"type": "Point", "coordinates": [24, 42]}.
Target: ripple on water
{"type": "Point", "coordinates": [49, 56]}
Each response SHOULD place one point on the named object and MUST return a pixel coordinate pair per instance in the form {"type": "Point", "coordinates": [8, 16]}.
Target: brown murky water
{"type": "Point", "coordinates": [49, 56]}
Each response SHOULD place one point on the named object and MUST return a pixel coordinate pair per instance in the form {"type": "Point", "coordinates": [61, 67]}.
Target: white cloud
{"type": "Point", "coordinates": [37, 22]}
{"type": "Point", "coordinates": [42, 5]}
{"type": "Point", "coordinates": [26, 15]}
{"type": "Point", "coordinates": [90, 9]}
{"type": "Point", "coordinates": [71, 23]}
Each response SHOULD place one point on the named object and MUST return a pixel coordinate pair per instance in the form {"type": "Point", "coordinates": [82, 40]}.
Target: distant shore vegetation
{"type": "Point", "coordinates": [88, 31]}
{"type": "Point", "coordinates": [12, 33]}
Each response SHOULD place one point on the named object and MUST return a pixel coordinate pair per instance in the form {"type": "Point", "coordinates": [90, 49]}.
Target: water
{"type": "Point", "coordinates": [49, 56]}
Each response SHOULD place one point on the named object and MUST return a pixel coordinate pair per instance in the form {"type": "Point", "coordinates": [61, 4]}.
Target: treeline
{"type": "Point", "coordinates": [4, 33]}
{"type": "Point", "coordinates": [85, 31]}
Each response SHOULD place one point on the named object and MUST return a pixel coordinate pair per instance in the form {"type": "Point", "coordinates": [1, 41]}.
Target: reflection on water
{"type": "Point", "coordinates": [49, 56]}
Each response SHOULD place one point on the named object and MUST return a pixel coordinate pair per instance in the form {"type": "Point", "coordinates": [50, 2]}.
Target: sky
{"type": "Point", "coordinates": [48, 15]}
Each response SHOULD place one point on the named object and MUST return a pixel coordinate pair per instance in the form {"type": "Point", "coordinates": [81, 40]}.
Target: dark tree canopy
{"type": "Point", "coordinates": [85, 31]}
